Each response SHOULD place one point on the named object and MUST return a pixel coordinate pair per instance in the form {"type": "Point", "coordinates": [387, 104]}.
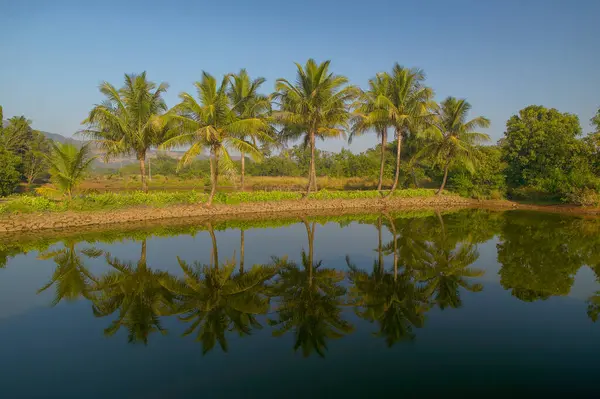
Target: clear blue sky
{"type": "Point", "coordinates": [501, 55]}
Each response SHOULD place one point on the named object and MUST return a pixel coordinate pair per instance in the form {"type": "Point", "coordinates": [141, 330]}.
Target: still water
{"type": "Point", "coordinates": [416, 305]}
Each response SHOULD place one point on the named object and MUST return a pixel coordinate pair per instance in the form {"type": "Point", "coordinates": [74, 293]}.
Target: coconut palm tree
{"type": "Point", "coordinates": [213, 123]}
{"type": "Point", "coordinates": [407, 105]}
{"type": "Point", "coordinates": [310, 302]}
{"type": "Point", "coordinates": [137, 294]}
{"type": "Point", "coordinates": [248, 103]}
{"type": "Point", "coordinates": [71, 277]}
{"type": "Point", "coordinates": [68, 165]}
{"type": "Point", "coordinates": [129, 120]}
{"type": "Point", "coordinates": [370, 114]}
{"type": "Point", "coordinates": [16, 135]}
{"type": "Point", "coordinates": [454, 139]}
{"type": "Point", "coordinates": [315, 106]}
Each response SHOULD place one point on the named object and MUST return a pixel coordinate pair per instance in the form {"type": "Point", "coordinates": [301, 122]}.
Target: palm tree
{"type": "Point", "coordinates": [138, 295]}
{"type": "Point", "coordinates": [216, 300]}
{"type": "Point", "coordinates": [454, 140]}
{"type": "Point", "coordinates": [407, 106]}
{"type": "Point", "coordinates": [72, 278]}
{"type": "Point", "coordinates": [214, 124]}
{"type": "Point", "coordinates": [310, 301]}
{"type": "Point", "coordinates": [129, 120]}
{"type": "Point", "coordinates": [315, 106]}
{"type": "Point", "coordinates": [68, 165]}
{"type": "Point", "coordinates": [369, 114]}
{"type": "Point", "coordinates": [248, 103]}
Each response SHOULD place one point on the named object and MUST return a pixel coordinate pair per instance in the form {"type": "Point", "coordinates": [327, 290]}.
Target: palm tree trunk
{"type": "Point", "coordinates": [142, 159]}
{"type": "Point", "coordinates": [215, 250]}
{"type": "Point", "coordinates": [311, 169]}
{"type": "Point", "coordinates": [383, 143]}
{"type": "Point", "coordinates": [398, 152]}
{"type": "Point", "coordinates": [243, 169]}
{"type": "Point", "coordinates": [241, 251]}
{"type": "Point", "coordinates": [444, 180]}
{"type": "Point", "coordinates": [214, 176]}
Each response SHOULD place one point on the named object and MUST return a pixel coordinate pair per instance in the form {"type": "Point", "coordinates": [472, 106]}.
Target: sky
{"type": "Point", "coordinates": [501, 55]}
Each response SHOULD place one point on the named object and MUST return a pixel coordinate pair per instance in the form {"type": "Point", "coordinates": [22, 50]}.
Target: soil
{"type": "Point", "coordinates": [188, 213]}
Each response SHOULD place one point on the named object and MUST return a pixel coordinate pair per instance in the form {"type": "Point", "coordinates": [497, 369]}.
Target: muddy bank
{"type": "Point", "coordinates": [60, 220]}
{"type": "Point", "coordinates": [185, 214]}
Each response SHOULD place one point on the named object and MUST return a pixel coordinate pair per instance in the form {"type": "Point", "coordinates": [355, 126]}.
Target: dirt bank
{"type": "Point", "coordinates": [187, 213]}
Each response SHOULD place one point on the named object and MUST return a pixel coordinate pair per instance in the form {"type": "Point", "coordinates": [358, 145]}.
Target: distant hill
{"type": "Point", "coordinates": [62, 139]}
{"type": "Point", "coordinates": [115, 161]}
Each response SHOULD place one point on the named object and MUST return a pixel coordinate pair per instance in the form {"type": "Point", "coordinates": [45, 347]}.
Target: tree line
{"type": "Point", "coordinates": [542, 153]}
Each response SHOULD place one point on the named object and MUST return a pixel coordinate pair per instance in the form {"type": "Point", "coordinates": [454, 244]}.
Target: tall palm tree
{"type": "Point", "coordinates": [213, 123]}
{"type": "Point", "coordinates": [310, 302]}
{"type": "Point", "coordinates": [248, 103]}
{"type": "Point", "coordinates": [370, 114]}
{"type": "Point", "coordinates": [315, 106]}
{"type": "Point", "coordinates": [407, 105]}
{"type": "Point", "coordinates": [216, 300]}
{"type": "Point", "coordinates": [129, 120]}
{"type": "Point", "coordinates": [454, 139]}
{"type": "Point", "coordinates": [68, 165]}
{"type": "Point", "coordinates": [72, 278]}
{"type": "Point", "coordinates": [137, 294]}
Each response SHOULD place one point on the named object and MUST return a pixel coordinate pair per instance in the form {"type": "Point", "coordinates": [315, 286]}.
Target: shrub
{"type": "Point", "coordinates": [584, 197]}
{"type": "Point", "coordinates": [9, 174]}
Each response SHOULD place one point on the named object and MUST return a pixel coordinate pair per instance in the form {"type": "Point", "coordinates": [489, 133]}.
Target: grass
{"type": "Point", "coordinates": [112, 200]}
{"type": "Point", "coordinates": [252, 183]}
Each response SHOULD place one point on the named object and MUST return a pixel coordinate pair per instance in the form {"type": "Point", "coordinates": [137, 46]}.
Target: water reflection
{"type": "Point", "coordinates": [310, 302]}
{"type": "Point", "coordinates": [421, 263]}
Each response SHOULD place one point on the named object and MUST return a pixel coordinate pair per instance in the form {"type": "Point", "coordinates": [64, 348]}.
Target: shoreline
{"type": "Point", "coordinates": [198, 213]}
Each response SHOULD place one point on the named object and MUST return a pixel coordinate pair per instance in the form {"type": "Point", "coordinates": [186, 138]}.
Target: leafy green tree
{"type": "Point", "coordinates": [406, 107]}
{"type": "Point", "coordinates": [487, 180]}
{"type": "Point", "coordinates": [35, 160]}
{"type": "Point", "coordinates": [310, 300]}
{"type": "Point", "coordinates": [315, 106]}
{"type": "Point", "coordinates": [9, 173]}
{"type": "Point", "coordinates": [454, 139]}
{"type": "Point", "coordinates": [16, 135]}
{"type": "Point", "coordinates": [247, 103]}
{"type": "Point", "coordinates": [596, 121]}
{"type": "Point", "coordinates": [71, 277]}
{"type": "Point", "coordinates": [68, 166]}
{"type": "Point", "coordinates": [214, 124]}
{"type": "Point", "coordinates": [129, 120]}
{"type": "Point", "coordinates": [137, 294]}
{"type": "Point", "coordinates": [370, 114]}
{"type": "Point", "coordinates": [539, 144]}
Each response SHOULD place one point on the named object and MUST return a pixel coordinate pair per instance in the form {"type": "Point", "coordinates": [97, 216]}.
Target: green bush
{"type": "Point", "coordinates": [9, 174]}
{"type": "Point", "coordinates": [107, 201]}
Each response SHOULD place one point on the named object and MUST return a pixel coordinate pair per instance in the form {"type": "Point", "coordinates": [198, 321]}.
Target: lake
{"type": "Point", "coordinates": [419, 304]}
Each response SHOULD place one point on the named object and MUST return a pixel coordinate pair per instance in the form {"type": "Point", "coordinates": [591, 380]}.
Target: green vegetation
{"type": "Point", "coordinates": [68, 165]}
{"type": "Point", "coordinates": [110, 201]}
{"type": "Point", "coordinates": [543, 156]}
